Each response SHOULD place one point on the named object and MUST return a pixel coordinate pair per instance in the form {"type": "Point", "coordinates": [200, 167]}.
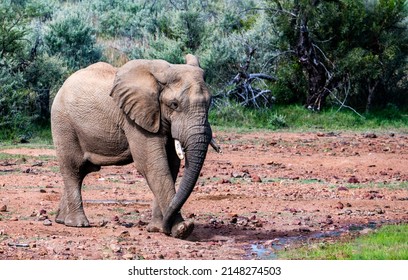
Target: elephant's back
{"type": "Point", "coordinates": [84, 96]}
{"type": "Point", "coordinates": [91, 84]}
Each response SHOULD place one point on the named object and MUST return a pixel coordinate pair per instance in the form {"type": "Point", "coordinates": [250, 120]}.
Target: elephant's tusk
{"type": "Point", "coordinates": [215, 146]}
{"type": "Point", "coordinates": [179, 149]}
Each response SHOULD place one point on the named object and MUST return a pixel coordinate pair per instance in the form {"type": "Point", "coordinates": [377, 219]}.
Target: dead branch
{"type": "Point", "coordinates": [244, 92]}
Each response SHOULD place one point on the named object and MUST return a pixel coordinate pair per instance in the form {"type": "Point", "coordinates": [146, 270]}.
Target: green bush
{"type": "Point", "coordinates": [73, 38]}
{"type": "Point", "coordinates": [17, 105]}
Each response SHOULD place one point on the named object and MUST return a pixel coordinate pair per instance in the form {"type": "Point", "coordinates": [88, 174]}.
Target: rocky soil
{"type": "Point", "coordinates": [266, 192]}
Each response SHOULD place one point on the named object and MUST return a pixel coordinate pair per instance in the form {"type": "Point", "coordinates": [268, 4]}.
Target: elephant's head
{"type": "Point", "coordinates": [172, 100]}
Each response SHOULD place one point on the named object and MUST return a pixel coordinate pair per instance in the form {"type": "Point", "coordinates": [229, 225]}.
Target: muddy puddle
{"type": "Point", "coordinates": [270, 249]}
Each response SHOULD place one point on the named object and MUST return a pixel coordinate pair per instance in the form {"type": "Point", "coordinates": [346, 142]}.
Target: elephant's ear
{"type": "Point", "coordinates": [192, 60]}
{"type": "Point", "coordinates": [136, 91]}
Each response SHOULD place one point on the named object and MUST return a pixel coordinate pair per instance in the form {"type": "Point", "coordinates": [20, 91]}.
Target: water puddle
{"type": "Point", "coordinates": [268, 250]}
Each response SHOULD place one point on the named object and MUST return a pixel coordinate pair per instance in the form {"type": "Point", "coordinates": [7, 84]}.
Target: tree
{"type": "Point", "coordinates": [13, 29]}
{"type": "Point", "coordinates": [353, 50]}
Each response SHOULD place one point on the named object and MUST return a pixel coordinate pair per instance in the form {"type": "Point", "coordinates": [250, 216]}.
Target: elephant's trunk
{"type": "Point", "coordinates": [195, 152]}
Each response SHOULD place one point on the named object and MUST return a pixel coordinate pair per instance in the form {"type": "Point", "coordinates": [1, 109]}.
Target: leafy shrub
{"type": "Point", "coordinates": [16, 105]}
{"type": "Point", "coordinates": [73, 38]}
{"type": "Point", "coordinates": [277, 121]}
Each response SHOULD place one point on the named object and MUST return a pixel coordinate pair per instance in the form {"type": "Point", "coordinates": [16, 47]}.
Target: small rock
{"type": "Point", "coordinates": [366, 231]}
{"type": "Point", "coordinates": [342, 188]}
{"type": "Point", "coordinates": [42, 191]}
{"type": "Point", "coordinates": [293, 210]}
{"type": "Point", "coordinates": [339, 205]}
{"type": "Point", "coordinates": [42, 218]}
{"type": "Point", "coordinates": [224, 181]}
{"type": "Point", "coordinates": [370, 135]}
{"type": "Point", "coordinates": [353, 180]}
{"type": "Point", "coordinates": [47, 222]}
{"type": "Point", "coordinates": [128, 225]}
{"type": "Point", "coordinates": [124, 234]}
{"type": "Point", "coordinates": [379, 211]}
{"type": "Point", "coordinates": [3, 208]}
{"type": "Point", "coordinates": [256, 179]}
{"type": "Point", "coordinates": [128, 256]}
{"type": "Point", "coordinates": [115, 248]}
{"type": "Point", "coordinates": [102, 223]}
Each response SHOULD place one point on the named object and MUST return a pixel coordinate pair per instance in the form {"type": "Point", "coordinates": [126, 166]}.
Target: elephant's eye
{"type": "Point", "coordinates": [173, 105]}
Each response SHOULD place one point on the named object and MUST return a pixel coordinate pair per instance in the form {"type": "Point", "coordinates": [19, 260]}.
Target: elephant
{"type": "Point", "coordinates": [148, 112]}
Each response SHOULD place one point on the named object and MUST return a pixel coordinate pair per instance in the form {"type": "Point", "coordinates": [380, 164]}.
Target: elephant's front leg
{"type": "Point", "coordinates": [164, 192]}
{"type": "Point", "coordinates": [156, 224]}
{"type": "Point", "coordinates": [160, 171]}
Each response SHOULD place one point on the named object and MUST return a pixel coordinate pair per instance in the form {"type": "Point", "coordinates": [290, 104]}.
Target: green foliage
{"type": "Point", "coordinates": [12, 31]}
{"type": "Point", "coordinates": [16, 106]}
{"type": "Point", "coordinates": [361, 43]}
{"type": "Point", "coordinates": [232, 114]}
{"type": "Point", "coordinates": [297, 118]}
{"type": "Point", "coordinates": [73, 38]}
{"type": "Point", "coordinates": [388, 243]}
{"type": "Point", "coordinates": [166, 49]}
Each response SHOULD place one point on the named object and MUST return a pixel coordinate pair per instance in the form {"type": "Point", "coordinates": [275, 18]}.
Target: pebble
{"type": "Point", "coordinates": [3, 208]}
{"type": "Point", "coordinates": [256, 179]}
{"type": "Point", "coordinates": [353, 180]}
{"type": "Point", "coordinates": [348, 212]}
{"type": "Point", "coordinates": [47, 222]}
{"type": "Point", "coordinates": [128, 256]}
{"type": "Point", "coordinates": [115, 248]}
{"type": "Point", "coordinates": [124, 234]}
{"type": "Point", "coordinates": [339, 205]}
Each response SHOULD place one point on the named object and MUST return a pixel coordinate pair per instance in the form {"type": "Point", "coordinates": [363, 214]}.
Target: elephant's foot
{"type": "Point", "coordinates": [154, 227]}
{"type": "Point", "coordinates": [72, 219]}
{"type": "Point", "coordinates": [182, 230]}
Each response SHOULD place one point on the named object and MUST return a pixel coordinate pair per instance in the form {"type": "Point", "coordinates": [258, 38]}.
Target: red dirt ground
{"type": "Point", "coordinates": [266, 192]}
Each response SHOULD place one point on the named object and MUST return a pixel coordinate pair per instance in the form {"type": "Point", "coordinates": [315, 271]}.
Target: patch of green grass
{"type": "Point", "coordinates": [381, 185]}
{"type": "Point", "coordinates": [24, 158]}
{"type": "Point", "coordinates": [388, 243]}
{"type": "Point", "coordinates": [297, 118]}
{"type": "Point", "coordinates": [34, 133]}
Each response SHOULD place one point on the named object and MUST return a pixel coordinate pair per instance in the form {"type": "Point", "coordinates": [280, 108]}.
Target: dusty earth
{"type": "Point", "coordinates": [266, 192]}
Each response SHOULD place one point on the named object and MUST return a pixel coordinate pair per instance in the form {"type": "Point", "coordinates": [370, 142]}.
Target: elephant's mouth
{"type": "Point", "coordinates": [180, 150]}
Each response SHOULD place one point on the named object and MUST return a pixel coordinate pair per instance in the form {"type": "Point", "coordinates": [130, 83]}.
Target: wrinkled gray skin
{"type": "Point", "coordinates": [108, 116]}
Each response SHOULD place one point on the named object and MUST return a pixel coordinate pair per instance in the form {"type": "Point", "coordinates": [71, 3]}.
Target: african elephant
{"type": "Point", "coordinates": [104, 115]}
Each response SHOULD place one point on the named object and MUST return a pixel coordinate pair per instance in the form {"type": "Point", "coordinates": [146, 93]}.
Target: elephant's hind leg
{"type": "Point", "coordinates": [71, 211]}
